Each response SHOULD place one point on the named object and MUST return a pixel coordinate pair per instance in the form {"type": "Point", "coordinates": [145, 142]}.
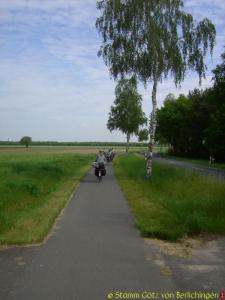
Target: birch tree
{"type": "Point", "coordinates": [143, 135]}
{"type": "Point", "coordinates": [150, 40]}
{"type": "Point", "coordinates": [126, 114]}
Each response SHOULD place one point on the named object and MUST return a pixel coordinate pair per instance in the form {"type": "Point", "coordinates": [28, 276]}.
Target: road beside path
{"type": "Point", "coordinates": [94, 251]}
{"type": "Point", "coordinates": [211, 171]}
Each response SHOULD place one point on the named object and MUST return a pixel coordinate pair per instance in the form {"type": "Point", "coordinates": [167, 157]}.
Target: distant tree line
{"type": "Point", "coordinates": [80, 144]}
{"type": "Point", "coordinates": [194, 125]}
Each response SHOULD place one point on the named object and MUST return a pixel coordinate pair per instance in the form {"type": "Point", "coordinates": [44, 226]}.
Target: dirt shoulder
{"type": "Point", "coordinates": [192, 263]}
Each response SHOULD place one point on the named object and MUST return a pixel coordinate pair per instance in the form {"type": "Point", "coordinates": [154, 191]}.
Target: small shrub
{"type": "Point", "coordinates": [32, 189]}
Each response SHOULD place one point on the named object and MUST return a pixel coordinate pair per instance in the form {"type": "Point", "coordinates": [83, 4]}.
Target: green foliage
{"type": "Point", "coordinates": [126, 115]}
{"type": "Point", "coordinates": [219, 75]}
{"type": "Point", "coordinates": [215, 132]}
{"type": "Point", "coordinates": [182, 123]}
{"type": "Point", "coordinates": [176, 203]}
{"type": "Point", "coordinates": [143, 135]}
{"type": "Point", "coordinates": [151, 39]}
{"type": "Point", "coordinates": [26, 140]}
{"type": "Point", "coordinates": [195, 125]}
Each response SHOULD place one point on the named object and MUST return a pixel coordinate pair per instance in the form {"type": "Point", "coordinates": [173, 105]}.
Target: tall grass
{"type": "Point", "coordinates": [33, 190]}
{"type": "Point", "coordinates": [175, 202]}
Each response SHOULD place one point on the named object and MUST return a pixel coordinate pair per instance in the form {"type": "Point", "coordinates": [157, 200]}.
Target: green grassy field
{"type": "Point", "coordinates": [73, 149]}
{"type": "Point", "coordinates": [175, 202]}
{"type": "Point", "coordinates": [33, 190]}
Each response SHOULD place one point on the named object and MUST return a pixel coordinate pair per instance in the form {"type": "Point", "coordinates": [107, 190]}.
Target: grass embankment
{"type": "Point", "coordinates": [175, 202]}
{"type": "Point", "coordinates": [33, 191]}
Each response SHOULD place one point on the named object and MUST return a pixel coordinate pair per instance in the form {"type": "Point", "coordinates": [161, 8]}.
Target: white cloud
{"type": "Point", "coordinates": [31, 97]}
{"type": "Point", "coordinates": [44, 4]}
{"type": "Point", "coordinates": [60, 11]}
{"type": "Point", "coordinates": [52, 84]}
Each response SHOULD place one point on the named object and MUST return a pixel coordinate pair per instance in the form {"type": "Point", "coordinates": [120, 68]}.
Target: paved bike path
{"type": "Point", "coordinates": [94, 251]}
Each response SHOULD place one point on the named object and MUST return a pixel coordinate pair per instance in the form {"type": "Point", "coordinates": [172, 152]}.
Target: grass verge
{"type": "Point", "coordinates": [174, 203]}
{"type": "Point", "coordinates": [33, 191]}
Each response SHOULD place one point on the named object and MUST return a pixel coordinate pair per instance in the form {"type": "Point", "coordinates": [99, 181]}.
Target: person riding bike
{"type": "Point", "coordinates": [100, 159]}
{"type": "Point", "coordinates": [100, 162]}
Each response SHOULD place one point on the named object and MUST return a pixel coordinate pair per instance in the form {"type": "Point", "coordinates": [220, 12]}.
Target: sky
{"type": "Point", "coordinates": [53, 86]}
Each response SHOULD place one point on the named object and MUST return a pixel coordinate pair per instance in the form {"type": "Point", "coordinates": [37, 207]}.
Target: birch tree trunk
{"type": "Point", "coordinates": [128, 140]}
{"type": "Point", "coordinates": [152, 128]}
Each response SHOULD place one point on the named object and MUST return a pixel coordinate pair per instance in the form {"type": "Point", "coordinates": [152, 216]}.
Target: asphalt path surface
{"type": "Point", "coordinates": [205, 170]}
{"type": "Point", "coordinates": [94, 252]}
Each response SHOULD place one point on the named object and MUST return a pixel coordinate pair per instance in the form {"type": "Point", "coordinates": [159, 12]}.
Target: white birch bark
{"type": "Point", "coordinates": [128, 140]}
{"type": "Point", "coordinates": [152, 129]}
